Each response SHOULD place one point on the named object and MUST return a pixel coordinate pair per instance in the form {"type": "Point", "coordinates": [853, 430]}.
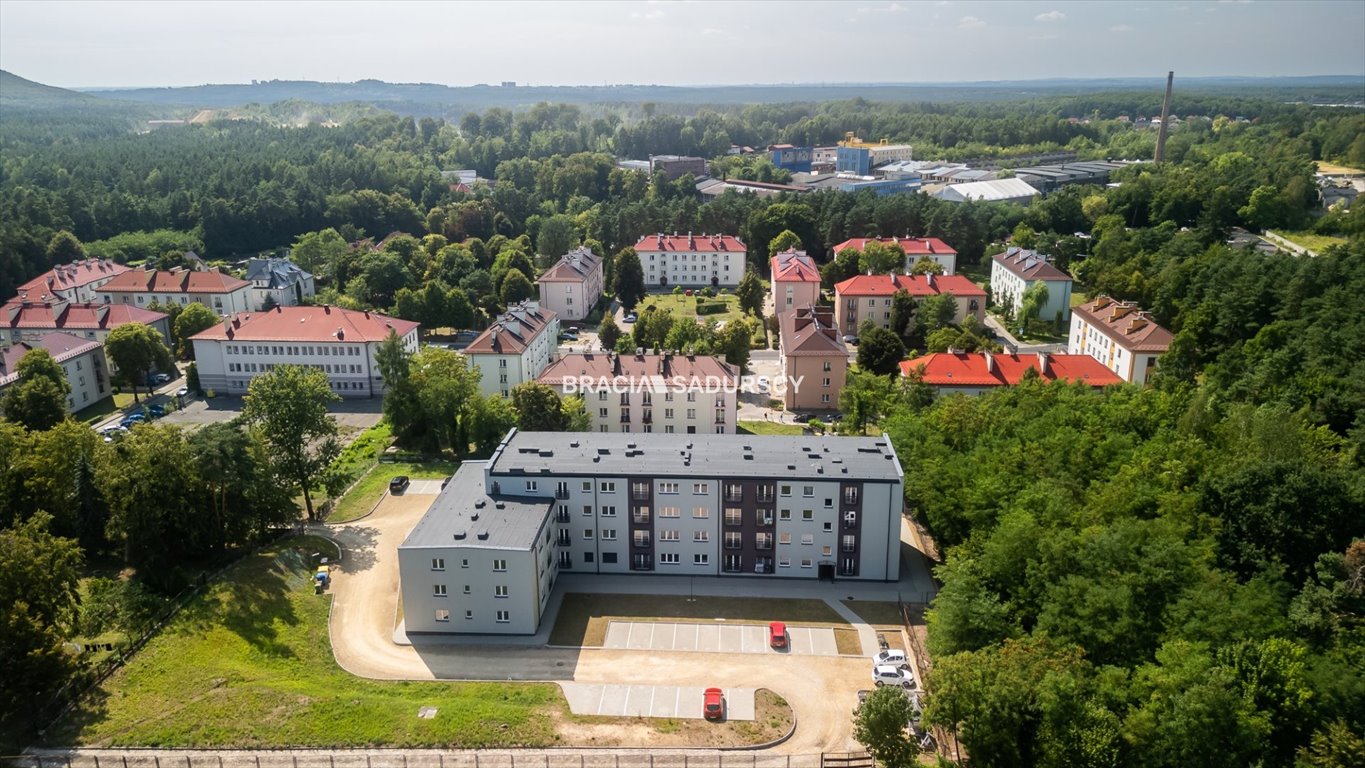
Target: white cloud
{"type": "Point", "coordinates": [1120, 28]}
{"type": "Point", "coordinates": [970, 22]}
{"type": "Point", "coordinates": [650, 15]}
{"type": "Point", "coordinates": [895, 8]}
{"type": "Point", "coordinates": [1050, 16]}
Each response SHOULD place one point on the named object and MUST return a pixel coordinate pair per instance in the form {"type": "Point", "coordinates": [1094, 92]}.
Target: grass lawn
{"type": "Point", "coordinates": [876, 613]}
{"type": "Point", "coordinates": [686, 306]}
{"type": "Point", "coordinates": [375, 483]}
{"type": "Point", "coordinates": [1312, 241]}
{"type": "Point", "coordinates": [249, 664]}
{"type": "Point", "coordinates": [105, 408]}
{"type": "Point", "coordinates": [768, 428]}
{"type": "Point", "coordinates": [583, 619]}
{"type": "Point", "coordinates": [1078, 298]}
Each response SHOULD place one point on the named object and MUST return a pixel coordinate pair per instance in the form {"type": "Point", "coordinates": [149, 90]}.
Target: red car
{"type": "Point", "coordinates": [777, 634]}
{"type": "Point", "coordinates": [713, 707]}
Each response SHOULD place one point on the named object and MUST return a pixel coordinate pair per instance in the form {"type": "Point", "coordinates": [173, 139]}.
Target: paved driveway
{"type": "Point", "coordinates": [653, 700]}
{"type": "Point", "coordinates": [716, 638]}
{"type": "Point", "coordinates": [423, 487]}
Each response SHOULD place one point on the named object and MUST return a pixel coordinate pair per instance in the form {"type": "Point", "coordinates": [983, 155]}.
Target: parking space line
{"type": "Point", "coordinates": [673, 644]}
{"type": "Point", "coordinates": [601, 699]}
{"type": "Point", "coordinates": [677, 701]}
{"type": "Point", "coordinates": [631, 633]}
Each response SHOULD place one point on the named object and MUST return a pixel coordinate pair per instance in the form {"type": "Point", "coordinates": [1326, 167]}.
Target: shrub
{"type": "Point", "coordinates": [705, 307]}
{"type": "Point", "coordinates": [708, 292]}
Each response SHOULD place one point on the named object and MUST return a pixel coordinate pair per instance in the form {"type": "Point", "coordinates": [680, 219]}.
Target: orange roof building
{"type": "Point", "coordinates": [691, 260]}
{"type": "Point", "coordinates": [795, 281]}
{"type": "Point", "coordinates": [1118, 334]}
{"type": "Point", "coordinates": [222, 293]}
{"type": "Point", "coordinates": [863, 298]}
{"type": "Point", "coordinates": [30, 321]}
{"type": "Point", "coordinates": [76, 281]}
{"type": "Point", "coordinates": [915, 248]}
{"type": "Point", "coordinates": [976, 372]}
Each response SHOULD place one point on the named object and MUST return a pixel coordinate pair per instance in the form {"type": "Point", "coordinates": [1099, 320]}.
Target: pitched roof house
{"type": "Point", "coordinates": [975, 372]}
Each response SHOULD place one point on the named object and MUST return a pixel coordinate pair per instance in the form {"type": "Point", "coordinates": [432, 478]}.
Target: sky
{"type": "Point", "coordinates": [130, 44]}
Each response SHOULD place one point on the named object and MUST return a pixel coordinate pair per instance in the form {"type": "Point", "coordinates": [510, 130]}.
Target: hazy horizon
{"type": "Point", "coordinates": [101, 45]}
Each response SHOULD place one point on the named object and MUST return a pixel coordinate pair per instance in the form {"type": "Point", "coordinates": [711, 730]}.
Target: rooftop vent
{"type": "Point", "coordinates": [480, 503]}
{"type": "Point", "coordinates": [500, 505]}
{"type": "Point", "coordinates": [459, 535]}
{"type": "Point", "coordinates": [474, 516]}
{"type": "Point", "coordinates": [482, 535]}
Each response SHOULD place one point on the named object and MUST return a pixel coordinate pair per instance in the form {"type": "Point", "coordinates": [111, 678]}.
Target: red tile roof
{"type": "Point", "coordinates": [638, 367]}
{"type": "Point", "coordinates": [983, 369]}
{"type": "Point", "coordinates": [62, 347]}
{"type": "Point", "coordinates": [572, 267]}
{"type": "Point", "coordinates": [61, 315]}
{"type": "Point", "coordinates": [795, 267]}
{"type": "Point", "coordinates": [689, 242]}
{"type": "Point", "coordinates": [307, 324]}
{"type": "Point", "coordinates": [173, 281]}
{"type": "Point", "coordinates": [1128, 326]}
{"type": "Point", "coordinates": [1029, 265]}
{"type": "Point", "coordinates": [513, 331]}
{"type": "Point", "coordinates": [915, 285]}
{"type": "Point", "coordinates": [810, 332]}
{"type": "Point", "coordinates": [913, 246]}
{"type": "Point", "coordinates": [65, 277]}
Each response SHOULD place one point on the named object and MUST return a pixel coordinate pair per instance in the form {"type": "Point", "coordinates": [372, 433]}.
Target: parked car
{"type": "Point", "coordinates": [156, 411]}
{"type": "Point", "coordinates": [893, 657]}
{"type": "Point", "coordinates": [713, 706]}
{"type": "Point", "coordinates": [629, 318]}
{"type": "Point", "coordinates": [161, 378]}
{"type": "Point", "coordinates": [399, 484]}
{"type": "Point", "coordinates": [886, 674]}
{"type": "Point", "coordinates": [182, 392]}
{"type": "Point", "coordinates": [777, 634]}
{"type": "Point", "coordinates": [112, 432]}
{"type": "Point", "coordinates": [131, 419]}
{"type": "Point", "coordinates": [850, 339]}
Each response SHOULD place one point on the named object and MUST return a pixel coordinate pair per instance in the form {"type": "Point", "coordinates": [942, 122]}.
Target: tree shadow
{"type": "Point", "coordinates": [251, 598]}
{"type": "Point", "coordinates": [360, 543]}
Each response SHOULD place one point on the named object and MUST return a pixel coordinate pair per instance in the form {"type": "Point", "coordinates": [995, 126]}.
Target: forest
{"type": "Point", "coordinates": [1168, 576]}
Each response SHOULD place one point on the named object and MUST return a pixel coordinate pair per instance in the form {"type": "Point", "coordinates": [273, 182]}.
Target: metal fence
{"type": "Point", "coordinates": [421, 759]}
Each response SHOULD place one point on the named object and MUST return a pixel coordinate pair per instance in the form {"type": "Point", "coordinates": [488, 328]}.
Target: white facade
{"type": "Point", "coordinates": [516, 348]}
{"type": "Point", "coordinates": [701, 506]}
{"type": "Point", "coordinates": [682, 413]}
{"type": "Point", "coordinates": [691, 261]}
{"type": "Point", "coordinates": [1008, 287]}
{"type": "Point", "coordinates": [81, 360]}
{"type": "Point", "coordinates": [1120, 336]}
{"type": "Point", "coordinates": [1131, 366]}
{"type": "Point", "coordinates": [573, 286]}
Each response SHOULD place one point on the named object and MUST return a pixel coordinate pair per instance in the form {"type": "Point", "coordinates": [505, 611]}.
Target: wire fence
{"type": "Point", "coordinates": [435, 759]}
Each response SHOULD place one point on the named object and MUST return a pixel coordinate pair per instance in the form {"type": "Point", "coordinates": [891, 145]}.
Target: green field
{"type": "Point", "coordinates": [768, 428]}
{"type": "Point", "coordinates": [1312, 241]}
{"type": "Point", "coordinates": [371, 486]}
{"type": "Point", "coordinates": [686, 306]}
{"type": "Point", "coordinates": [249, 664]}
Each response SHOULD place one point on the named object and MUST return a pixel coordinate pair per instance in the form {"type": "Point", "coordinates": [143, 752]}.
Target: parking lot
{"type": "Point", "coordinates": [716, 638]}
{"type": "Point", "coordinates": [653, 701]}
{"type": "Point", "coordinates": [427, 487]}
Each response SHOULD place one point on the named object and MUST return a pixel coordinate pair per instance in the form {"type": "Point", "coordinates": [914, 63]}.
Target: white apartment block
{"type": "Point", "coordinates": [668, 394]}
{"type": "Point", "coordinates": [339, 342]}
{"type": "Point", "coordinates": [1018, 269]}
{"type": "Point", "coordinates": [77, 281]}
{"type": "Point", "coordinates": [1118, 334]}
{"type": "Point", "coordinates": [573, 286]}
{"type": "Point", "coordinates": [692, 261]}
{"type": "Point", "coordinates": [82, 360]}
{"type": "Point", "coordinates": [515, 348]}
{"type": "Point", "coordinates": [222, 293]}
{"type": "Point", "coordinates": [486, 555]}
{"type": "Point", "coordinates": [32, 320]}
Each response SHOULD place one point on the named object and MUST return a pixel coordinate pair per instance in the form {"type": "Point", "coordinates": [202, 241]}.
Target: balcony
{"type": "Point", "coordinates": [639, 492]}
{"type": "Point", "coordinates": [562, 516]}
{"type": "Point", "coordinates": [734, 494]}
{"type": "Point", "coordinates": [563, 541]}
{"type": "Point", "coordinates": [640, 519]}
{"type": "Point", "coordinates": [640, 541]}
{"type": "Point", "coordinates": [625, 417]}
{"type": "Point", "coordinates": [561, 493]}
{"type": "Point", "coordinates": [720, 417]}
{"type": "Point", "coordinates": [647, 417]}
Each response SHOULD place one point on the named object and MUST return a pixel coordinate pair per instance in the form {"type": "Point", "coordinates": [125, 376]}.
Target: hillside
{"type": "Point", "coordinates": [16, 92]}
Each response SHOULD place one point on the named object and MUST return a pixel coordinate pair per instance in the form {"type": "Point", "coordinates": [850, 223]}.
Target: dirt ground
{"type": "Point", "coordinates": [772, 719]}
{"type": "Point", "coordinates": [821, 691]}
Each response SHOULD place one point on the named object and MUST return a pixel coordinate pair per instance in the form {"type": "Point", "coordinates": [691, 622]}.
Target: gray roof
{"type": "Point", "coordinates": [484, 522]}
{"type": "Point", "coordinates": [281, 273]}
{"type": "Point", "coordinates": [567, 454]}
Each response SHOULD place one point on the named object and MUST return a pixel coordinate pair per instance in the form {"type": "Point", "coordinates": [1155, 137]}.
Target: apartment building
{"type": "Point", "coordinates": [517, 347]}
{"type": "Point", "coordinates": [32, 320]}
{"type": "Point", "coordinates": [573, 286]}
{"type": "Point", "coordinates": [971, 373]}
{"type": "Point", "coordinates": [1118, 334]}
{"type": "Point", "coordinates": [691, 260]}
{"type": "Point", "coordinates": [486, 555]}
{"type": "Point", "coordinates": [82, 360]}
{"type": "Point", "coordinates": [795, 281]}
{"type": "Point", "coordinates": [1018, 269]}
{"type": "Point", "coordinates": [277, 283]}
{"type": "Point", "coordinates": [670, 394]}
{"type": "Point", "coordinates": [864, 298]}
{"type": "Point", "coordinates": [915, 248]}
{"type": "Point", "coordinates": [814, 359]}
{"type": "Point", "coordinates": [339, 342]}
{"type": "Point", "coordinates": [222, 293]}
{"type": "Point", "coordinates": [77, 281]}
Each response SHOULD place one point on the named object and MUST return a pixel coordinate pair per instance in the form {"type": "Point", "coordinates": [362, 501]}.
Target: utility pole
{"type": "Point", "coordinates": [1165, 120]}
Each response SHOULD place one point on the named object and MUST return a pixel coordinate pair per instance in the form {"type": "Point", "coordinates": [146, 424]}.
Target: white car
{"type": "Point", "coordinates": [893, 657]}
{"type": "Point", "coordinates": [886, 674]}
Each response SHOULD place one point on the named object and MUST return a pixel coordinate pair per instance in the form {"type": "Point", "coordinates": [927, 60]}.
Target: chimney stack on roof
{"type": "Point", "coordinates": [1044, 364]}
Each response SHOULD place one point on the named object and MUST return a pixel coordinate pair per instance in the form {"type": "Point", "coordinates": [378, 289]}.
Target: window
{"type": "Point", "coordinates": [587, 486]}
{"type": "Point", "coordinates": [784, 538]}
{"type": "Point", "coordinates": [701, 559]}
{"type": "Point", "coordinates": [733, 516]}
{"type": "Point", "coordinates": [701, 513]}
{"type": "Point", "coordinates": [466, 589]}
{"type": "Point", "coordinates": [700, 488]}
{"type": "Point", "coordinates": [826, 550]}
{"type": "Point", "coordinates": [606, 487]}
{"type": "Point", "coordinates": [640, 538]}
{"type": "Point", "coordinates": [500, 590]}
{"type": "Point", "coordinates": [806, 562]}
{"type": "Point", "coordinates": [587, 509]}
{"type": "Point", "coordinates": [784, 562]}
{"type": "Point", "coordinates": [828, 526]}
{"type": "Point", "coordinates": [587, 534]}
{"type": "Point", "coordinates": [499, 566]}
{"type": "Point", "coordinates": [608, 534]}
{"type": "Point", "coordinates": [670, 512]}
{"type": "Point", "coordinates": [733, 540]}
{"type": "Point", "coordinates": [733, 564]}
{"type": "Point", "coordinates": [464, 563]}
{"type": "Point", "coordinates": [530, 485]}
{"type": "Point", "coordinates": [807, 538]}
{"type": "Point", "coordinates": [763, 541]}
{"type": "Point", "coordinates": [669, 535]}
{"type": "Point", "coordinates": [808, 491]}
{"type": "Point", "coordinates": [701, 537]}
{"type": "Point", "coordinates": [786, 490]}
{"type": "Point", "coordinates": [504, 617]}
{"type": "Point", "coordinates": [468, 615]}
{"type": "Point", "coordinates": [438, 563]}
{"type": "Point", "coordinates": [826, 368]}
{"type": "Point", "coordinates": [669, 558]}
{"type": "Point", "coordinates": [442, 614]}
{"type": "Point", "coordinates": [784, 514]}
{"type": "Point", "coordinates": [829, 503]}
{"type": "Point", "coordinates": [668, 487]}
{"type": "Point", "coordinates": [807, 514]}
{"type": "Point", "coordinates": [824, 398]}
{"type": "Point", "coordinates": [608, 512]}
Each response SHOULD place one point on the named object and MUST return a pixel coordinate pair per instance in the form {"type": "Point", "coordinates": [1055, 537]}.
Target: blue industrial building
{"type": "Point", "coordinates": [856, 160]}
{"type": "Point", "coordinates": [794, 159]}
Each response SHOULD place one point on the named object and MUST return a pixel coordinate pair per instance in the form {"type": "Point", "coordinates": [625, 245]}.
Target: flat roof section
{"type": "Point", "coordinates": [464, 515]}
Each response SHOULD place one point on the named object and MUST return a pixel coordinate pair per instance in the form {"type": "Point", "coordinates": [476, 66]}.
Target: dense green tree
{"type": "Point", "coordinates": [289, 406]}
{"type": "Point", "coordinates": [37, 399]}
{"type": "Point", "coordinates": [879, 725]}
{"type": "Point", "coordinates": [195, 318]}
{"type": "Point", "coordinates": [64, 248]}
{"type": "Point", "coordinates": [786, 240]}
{"type": "Point", "coordinates": [926, 266]}
{"type": "Point", "coordinates": [154, 514]}
{"type": "Point", "coordinates": [880, 350]}
{"type": "Point", "coordinates": [903, 316]}
{"type": "Point", "coordinates": [608, 332]}
{"type": "Point", "coordinates": [750, 294]}
{"type": "Point", "coordinates": [539, 408]}
{"type": "Point", "coordinates": [879, 258]}
{"type": "Point", "coordinates": [516, 287]}
{"type": "Point", "coordinates": [319, 252]}
{"type": "Point", "coordinates": [136, 350]}
{"type": "Point", "coordinates": [630, 279]}
{"type": "Point", "coordinates": [556, 237]}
